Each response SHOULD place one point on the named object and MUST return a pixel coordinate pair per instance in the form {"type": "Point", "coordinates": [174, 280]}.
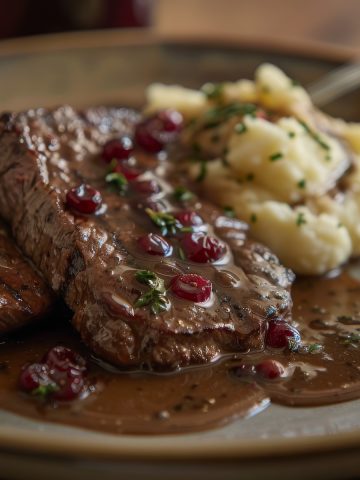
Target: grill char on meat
{"type": "Point", "coordinates": [24, 296]}
{"type": "Point", "coordinates": [91, 260]}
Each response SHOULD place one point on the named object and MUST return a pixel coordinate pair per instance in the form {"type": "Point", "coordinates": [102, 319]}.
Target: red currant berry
{"type": "Point", "coordinates": [202, 248]}
{"type": "Point", "coordinates": [189, 218]}
{"type": "Point", "coordinates": [270, 369]}
{"type": "Point", "coordinates": [192, 287]}
{"type": "Point", "coordinates": [279, 333]}
{"type": "Point", "coordinates": [155, 245]}
{"type": "Point", "coordinates": [83, 199]}
{"type": "Point", "coordinates": [119, 149]}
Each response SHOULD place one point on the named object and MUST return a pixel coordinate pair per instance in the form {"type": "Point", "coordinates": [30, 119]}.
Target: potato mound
{"type": "Point", "coordinates": [287, 169]}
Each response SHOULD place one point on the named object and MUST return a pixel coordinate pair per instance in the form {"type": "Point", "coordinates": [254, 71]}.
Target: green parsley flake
{"type": "Point", "coordinates": [182, 194]}
{"type": "Point", "coordinates": [118, 181]}
{"type": "Point", "coordinates": [291, 134]}
{"type": "Point", "coordinates": [240, 128]}
{"type": "Point", "coordinates": [155, 297]}
{"type": "Point", "coordinates": [276, 156]}
{"type": "Point", "coordinates": [213, 91]}
{"type": "Point", "coordinates": [315, 136]}
{"type": "Point", "coordinates": [302, 183]}
{"type": "Point", "coordinates": [202, 171]}
{"type": "Point", "coordinates": [167, 223]}
{"type": "Point", "coordinates": [300, 219]}
{"type": "Point", "coordinates": [44, 391]}
{"type": "Point", "coordinates": [253, 218]}
{"type": "Point", "coordinates": [229, 211]}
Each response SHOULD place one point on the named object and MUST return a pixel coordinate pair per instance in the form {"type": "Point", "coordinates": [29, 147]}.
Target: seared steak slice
{"type": "Point", "coordinates": [93, 260]}
{"type": "Point", "coordinates": [24, 295]}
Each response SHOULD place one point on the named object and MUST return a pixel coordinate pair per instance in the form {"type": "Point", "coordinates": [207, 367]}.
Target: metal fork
{"type": "Point", "coordinates": [335, 84]}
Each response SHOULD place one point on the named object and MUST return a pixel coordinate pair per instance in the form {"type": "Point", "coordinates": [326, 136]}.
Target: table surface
{"type": "Point", "coordinates": [329, 21]}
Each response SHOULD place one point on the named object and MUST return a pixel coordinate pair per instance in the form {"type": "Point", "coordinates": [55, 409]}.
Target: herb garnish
{"type": "Point", "coordinates": [213, 91]}
{"type": "Point", "coordinates": [182, 194]}
{"type": "Point", "coordinates": [118, 180]}
{"type": "Point", "coordinates": [291, 134]}
{"type": "Point", "coordinates": [293, 345]}
{"type": "Point", "coordinates": [351, 338]}
{"type": "Point", "coordinates": [301, 183]}
{"type": "Point", "coordinates": [315, 136]}
{"type": "Point", "coordinates": [276, 156]}
{"type": "Point", "coordinates": [167, 223]}
{"type": "Point", "coordinates": [314, 348]}
{"type": "Point", "coordinates": [240, 128]}
{"type": "Point", "coordinates": [229, 211]}
{"type": "Point", "coordinates": [300, 219]}
{"type": "Point", "coordinates": [182, 254]}
{"type": "Point", "coordinates": [202, 171]}
{"type": "Point", "coordinates": [253, 218]}
{"type": "Point", "coordinates": [155, 297]}
{"type": "Point", "coordinates": [44, 390]}
{"type": "Point", "coordinates": [215, 116]}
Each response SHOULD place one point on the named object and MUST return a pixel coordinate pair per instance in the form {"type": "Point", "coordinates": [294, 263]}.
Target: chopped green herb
{"type": "Point", "coordinates": [328, 158]}
{"type": "Point", "coordinates": [240, 128]}
{"type": "Point", "coordinates": [215, 116]}
{"type": "Point", "coordinates": [294, 83]}
{"type": "Point", "coordinates": [301, 183]}
{"type": "Point", "coordinates": [315, 136]}
{"type": "Point", "coordinates": [182, 254]}
{"type": "Point", "coordinates": [202, 171]}
{"type": "Point", "coordinates": [340, 225]}
{"type": "Point", "coordinates": [112, 165]}
{"type": "Point", "coordinates": [118, 180]}
{"type": "Point", "coordinates": [293, 345]}
{"type": "Point", "coordinates": [314, 348]}
{"type": "Point", "coordinates": [275, 156]}
{"type": "Point", "coordinates": [300, 219]}
{"type": "Point", "coordinates": [253, 218]}
{"type": "Point", "coordinates": [182, 194]}
{"type": "Point", "coordinates": [250, 177]}
{"type": "Point", "coordinates": [44, 390]}
{"type": "Point", "coordinates": [351, 338]}
{"type": "Point", "coordinates": [213, 91]}
{"type": "Point", "coordinates": [291, 134]}
{"type": "Point", "coordinates": [167, 223]}
{"type": "Point", "coordinates": [229, 211]}
{"type": "Point", "coordinates": [155, 298]}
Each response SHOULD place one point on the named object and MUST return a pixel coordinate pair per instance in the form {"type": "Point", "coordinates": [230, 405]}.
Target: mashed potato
{"type": "Point", "coordinates": [278, 163]}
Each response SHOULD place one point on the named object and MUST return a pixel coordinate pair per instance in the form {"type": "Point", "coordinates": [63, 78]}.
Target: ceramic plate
{"type": "Point", "coordinates": [114, 68]}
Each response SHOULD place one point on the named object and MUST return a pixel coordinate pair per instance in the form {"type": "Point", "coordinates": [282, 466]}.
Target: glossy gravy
{"type": "Point", "coordinates": [327, 312]}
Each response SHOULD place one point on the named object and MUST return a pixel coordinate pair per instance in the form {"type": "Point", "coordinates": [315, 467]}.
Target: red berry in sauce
{"type": "Point", "coordinates": [192, 287]}
{"type": "Point", "coordinates": [34, 375]}
{"type": "Point", "coordinates": [119, 149]}
{"type": "Point", "coordinates": [129, 172]}
{"type": "Point", "coordinates": [83, 199]}
{"type": "Point", "coordinates": [202, 248]}
{"type": "Point", "coordinates": [155, 245]}
{"type": "Point", "coordinates": [244, 370]}
{"type": "Point", "coordinates": [153, 133]}
{"type": "Point", "coordinates": [171, 120]}
{"type": "Point", "coordinates": [189, 218]}
{"type": "Point", "coordinates": [280, 333]}
{"type": "Point", "coordinates": [270, 369]}
{"type": "Point", "coordinates": [70, 386]}
{"type": "Point", "coordinates": [63, 359]}
{"type": "Point", "coordinates": [147, 187]}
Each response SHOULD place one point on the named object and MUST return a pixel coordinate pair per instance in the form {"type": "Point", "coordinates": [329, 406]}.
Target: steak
{"type": "Point", "coordinates": [94, 260]}
{"type": "Point", "coordinates": [24, 295]}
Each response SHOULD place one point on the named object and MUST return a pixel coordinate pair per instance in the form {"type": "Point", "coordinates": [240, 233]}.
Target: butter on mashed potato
{"type": "Point", "coordinates": [284, 167]}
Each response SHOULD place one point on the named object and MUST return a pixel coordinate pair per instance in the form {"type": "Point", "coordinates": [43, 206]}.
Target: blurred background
{"type": "Point", "coordinates": [329, 21]}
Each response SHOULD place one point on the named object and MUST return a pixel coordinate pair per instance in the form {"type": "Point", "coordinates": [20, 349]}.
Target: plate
{"type": "Point", "coordinates": [114, 68]}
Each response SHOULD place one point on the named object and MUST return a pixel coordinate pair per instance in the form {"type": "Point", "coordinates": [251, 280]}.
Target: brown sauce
{"type": "Point", "coordinates": [327, 311]}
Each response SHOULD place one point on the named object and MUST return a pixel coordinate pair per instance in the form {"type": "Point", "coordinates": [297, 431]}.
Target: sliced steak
{"type": "Point", "coordinates": [93, 260]}
{"type": "Point", "coordinates": [24, 295]}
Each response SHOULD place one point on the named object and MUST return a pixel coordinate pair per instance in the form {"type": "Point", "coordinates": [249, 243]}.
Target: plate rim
{"type": "Point", "coordinates": [14, 439]}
